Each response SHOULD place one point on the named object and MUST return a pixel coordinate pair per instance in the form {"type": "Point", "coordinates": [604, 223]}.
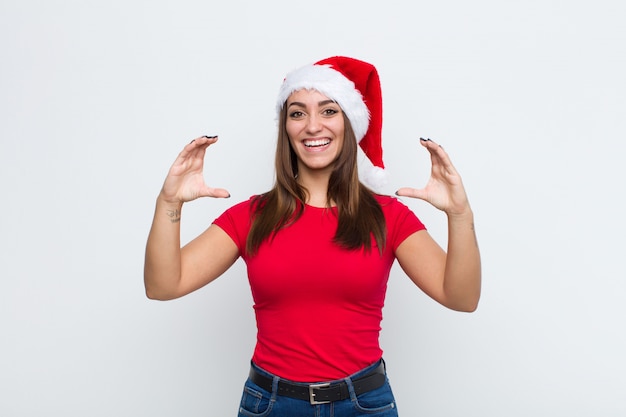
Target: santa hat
{"type": "Point", "coordinates": [355, 86]}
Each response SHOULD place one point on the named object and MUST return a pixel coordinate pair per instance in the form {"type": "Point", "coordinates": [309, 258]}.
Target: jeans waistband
{"type": "Point", "coordinates": [368, 379]}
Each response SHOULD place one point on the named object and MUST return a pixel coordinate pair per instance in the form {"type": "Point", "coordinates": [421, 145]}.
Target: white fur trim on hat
{"type": "Point", "coordinates": [333, 85]}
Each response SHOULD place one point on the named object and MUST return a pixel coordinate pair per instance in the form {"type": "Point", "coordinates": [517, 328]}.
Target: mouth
{"type": "Point", "coordinates": [315, 143]}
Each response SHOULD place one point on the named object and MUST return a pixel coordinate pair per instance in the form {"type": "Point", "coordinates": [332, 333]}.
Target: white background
{"type": "Point", "coordinates": [97, 99]}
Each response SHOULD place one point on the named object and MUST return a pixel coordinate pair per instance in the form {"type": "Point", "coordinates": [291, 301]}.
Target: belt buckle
{"type": "Point", "coordinates": [312, 387]}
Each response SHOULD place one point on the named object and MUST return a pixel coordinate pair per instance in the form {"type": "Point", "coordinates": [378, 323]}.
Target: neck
{"type": "Point", "coordinates": [316, 185]}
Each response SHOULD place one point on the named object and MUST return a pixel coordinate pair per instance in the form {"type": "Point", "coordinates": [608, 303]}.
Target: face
{"type": "Point", "coordinates": [315, 128]}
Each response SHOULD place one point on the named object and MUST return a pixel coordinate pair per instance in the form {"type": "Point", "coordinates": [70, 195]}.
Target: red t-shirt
{"type": "Point", "coordinates": [318, 306]}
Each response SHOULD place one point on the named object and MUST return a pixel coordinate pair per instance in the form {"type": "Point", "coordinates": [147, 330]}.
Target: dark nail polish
{"type": "Point", "coordinates": [210, 137]}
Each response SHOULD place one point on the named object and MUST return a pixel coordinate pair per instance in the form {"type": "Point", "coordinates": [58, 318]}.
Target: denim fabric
{"type": "Point", "coordinates": [257, 402]}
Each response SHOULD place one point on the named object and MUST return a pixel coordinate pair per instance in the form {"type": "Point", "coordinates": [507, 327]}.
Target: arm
{"type": "Point", "coordinates": [169, 271]}
{"type": "Point", "coordinates": [452, 278]}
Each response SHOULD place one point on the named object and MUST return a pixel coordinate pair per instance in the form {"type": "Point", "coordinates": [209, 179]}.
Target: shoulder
{"type": "Point", "coordinates": [401, 220]}
{"type": "Point", "coordinates": [391, 204]}
{"type": "Point", "coordinates": [236, 222]}
{"type": "Point", "coordinates": [238, 211]}
{"type": "Point", "coordinates": [244, 206]}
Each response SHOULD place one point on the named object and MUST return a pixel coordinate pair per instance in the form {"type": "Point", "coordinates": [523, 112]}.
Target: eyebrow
{"type": "Point", "coordinates": [321, 103]}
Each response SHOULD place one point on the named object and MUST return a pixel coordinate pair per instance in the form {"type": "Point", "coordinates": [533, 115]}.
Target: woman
{"type": "Point", "coordinates": [319, 246]}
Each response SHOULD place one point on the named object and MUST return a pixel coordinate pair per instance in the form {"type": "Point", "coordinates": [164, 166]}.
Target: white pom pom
{"type": "Point", "coordinates": [372, 176]}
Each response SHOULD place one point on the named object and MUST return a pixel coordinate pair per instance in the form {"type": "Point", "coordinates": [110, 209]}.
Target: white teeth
{"type": "Point", "coordinates": [314, 143]}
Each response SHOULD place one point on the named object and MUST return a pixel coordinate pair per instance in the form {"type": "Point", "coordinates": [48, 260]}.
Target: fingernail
{"type": "Point", "coordinates": [210, 137]}
{"type": "Point", "coordinates": [426, 140]}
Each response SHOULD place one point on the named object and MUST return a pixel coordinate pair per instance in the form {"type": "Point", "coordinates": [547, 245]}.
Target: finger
{"type": "Point", "coordinates": [205, 139]}
{"type": "Point", "coordinates": [198, 143]}
{"type": "Point", "coordinates": [433, 147]}
{"type": "Point", "coordinates": [193, 153]}
{"type": "Point", "coordinates": [411, 192]}
{"type": "Point", "coordinates": [438, 155]}
{"type": "Point", "coordinates": [215, 193]}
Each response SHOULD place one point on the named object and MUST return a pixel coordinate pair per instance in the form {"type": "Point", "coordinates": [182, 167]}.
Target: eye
{"type": "Point", "coordinates": [296, 114]}
{"type": "Point", "coordinates": [330, 111]}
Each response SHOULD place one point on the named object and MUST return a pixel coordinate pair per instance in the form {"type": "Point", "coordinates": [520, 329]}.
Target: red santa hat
{"type": "Point", "coordinates": [355, 86]}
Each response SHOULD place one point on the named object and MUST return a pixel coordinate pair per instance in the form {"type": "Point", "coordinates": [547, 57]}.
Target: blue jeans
{"type": "Point", "coordinates": [257, 402]}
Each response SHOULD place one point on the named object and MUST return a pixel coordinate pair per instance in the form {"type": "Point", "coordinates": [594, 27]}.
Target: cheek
{"type": "Point", "coordinates": [291, 130]}
{"type": "Point", "coordinates": [339, 128]}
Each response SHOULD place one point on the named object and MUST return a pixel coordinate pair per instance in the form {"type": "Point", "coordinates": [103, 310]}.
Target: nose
{"type": "Point", "coordinates": [314, 123]}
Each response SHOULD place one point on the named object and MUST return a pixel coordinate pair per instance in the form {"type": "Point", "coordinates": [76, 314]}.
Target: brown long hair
{"type": "Point", "coordinates": [360, 216]}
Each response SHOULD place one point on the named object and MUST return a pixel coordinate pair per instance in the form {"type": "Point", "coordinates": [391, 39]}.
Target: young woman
{"type": "Point", "coordinates": [319, 246]}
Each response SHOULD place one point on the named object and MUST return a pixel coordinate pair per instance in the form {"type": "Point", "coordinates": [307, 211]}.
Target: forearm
{"type": "Point", "coordinates": [462, 280]}
{"type": "Point", "coordinates": [162, 267]}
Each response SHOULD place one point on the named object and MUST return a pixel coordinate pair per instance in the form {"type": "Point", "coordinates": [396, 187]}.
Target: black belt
{"type": "Point", "coordinates": [324, 392]}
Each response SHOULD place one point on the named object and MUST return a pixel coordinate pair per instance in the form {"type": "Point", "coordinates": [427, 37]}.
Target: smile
{"type": "Point", "coordinates": [314, 143]}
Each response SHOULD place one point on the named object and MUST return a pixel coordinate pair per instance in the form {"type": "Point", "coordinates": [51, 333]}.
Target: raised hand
{"type": "Point", "coordinates": [185, 179]}
{"type": "Point", "coordinates": [444, 189]}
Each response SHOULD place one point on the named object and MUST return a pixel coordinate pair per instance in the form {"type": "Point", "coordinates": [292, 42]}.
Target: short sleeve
{"type": "Point", "coordinates": [401, 221]}
{"type": "Point", "coordinates": [236, 222]}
